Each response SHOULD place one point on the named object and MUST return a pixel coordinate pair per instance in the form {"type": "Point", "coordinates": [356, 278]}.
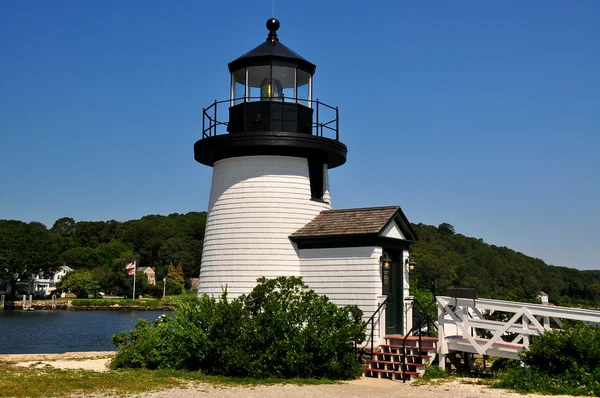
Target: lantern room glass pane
{"type": "Point", "coordinates": [286, 77]}
{"type": "Point", "coordinates": [238, 89]}
{"type": "Point", "coordinates": [304, 88]}
{"type": "Point", "coordinates": [258, 76]}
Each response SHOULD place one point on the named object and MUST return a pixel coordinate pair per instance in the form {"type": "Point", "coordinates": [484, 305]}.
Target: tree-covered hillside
{"type": "Point", "coordinates": [445, 258]}
{"type": "Point", "coordinates": [103, 248]}
{"type": "Point", "coordinates": [448, 259]}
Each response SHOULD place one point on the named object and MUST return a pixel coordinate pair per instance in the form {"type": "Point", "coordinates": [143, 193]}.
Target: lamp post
{"type": "Point", "coordinates": [164, 286]}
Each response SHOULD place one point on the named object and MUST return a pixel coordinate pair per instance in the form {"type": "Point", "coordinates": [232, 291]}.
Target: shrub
{"type": "Point", "coordinates": [434, 372]}
{"type": "Point", "coordinates": [281, 329]}
{"type": "Point", "coordinates": [502, 365]}
{"type": "Point", "coordinates": [147, 346]}
{"type": "Point", "coordinates": [559, 362]}
{"type": "Point", "coordinates": [558, 350]}
{"type": "Point", "coordinates": [299, 333]}
{"type": "Point", "coordinates": [529, 379]}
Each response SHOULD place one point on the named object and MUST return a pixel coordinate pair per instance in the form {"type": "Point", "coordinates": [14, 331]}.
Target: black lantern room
{"type": "Point", "coordinates": [271, 110]}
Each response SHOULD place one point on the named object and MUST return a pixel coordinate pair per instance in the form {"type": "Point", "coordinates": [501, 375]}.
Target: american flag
{"type": "Point", "coordinates": [131, 268]}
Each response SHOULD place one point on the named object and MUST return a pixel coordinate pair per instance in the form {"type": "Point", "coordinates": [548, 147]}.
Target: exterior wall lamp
{"type": "Point", "coordinates": [386, 272]}
{"type": "Point", "coordinates": [411, 263]}
{"type": "Point", "coordinates": [385, 260]}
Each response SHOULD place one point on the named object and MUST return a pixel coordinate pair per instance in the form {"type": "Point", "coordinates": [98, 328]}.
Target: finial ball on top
{"type": "Point", "coordinates": [273, 24]}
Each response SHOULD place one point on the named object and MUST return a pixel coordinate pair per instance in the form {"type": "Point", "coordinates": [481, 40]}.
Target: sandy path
{"type": "Point", "coordinates": [66, 355]}
{"type": "Point", "coordinates": [363, 387]}
{"type": "Point", "coordinates": [97, 361]}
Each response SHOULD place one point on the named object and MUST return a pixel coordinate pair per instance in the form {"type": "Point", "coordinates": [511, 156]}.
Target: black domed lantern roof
{"type": "Point", "coordinates": [273, 52]}
{"type": "Point", "coordinates": [271, 110]}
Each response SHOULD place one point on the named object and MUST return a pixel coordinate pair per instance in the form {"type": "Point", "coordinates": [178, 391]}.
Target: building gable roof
{"type": "Point", "coordinates": [350, 225]}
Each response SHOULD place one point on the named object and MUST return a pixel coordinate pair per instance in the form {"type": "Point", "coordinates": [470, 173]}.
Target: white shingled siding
{"type": "Point", "coordinates": [255, 203]}
{"type": "Point", "coordinates": [348, 276]}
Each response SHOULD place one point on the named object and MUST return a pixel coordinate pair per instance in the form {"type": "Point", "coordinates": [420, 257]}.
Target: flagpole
{"type": "Point", "coordinates": [134, 272]}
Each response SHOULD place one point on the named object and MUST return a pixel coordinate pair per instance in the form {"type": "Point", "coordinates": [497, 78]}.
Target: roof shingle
{"type": "Point", "coordinates": [347, 222]}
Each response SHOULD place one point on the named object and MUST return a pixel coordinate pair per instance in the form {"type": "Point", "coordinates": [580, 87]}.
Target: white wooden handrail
{"type": "Point", "coordinates": [460, 318]}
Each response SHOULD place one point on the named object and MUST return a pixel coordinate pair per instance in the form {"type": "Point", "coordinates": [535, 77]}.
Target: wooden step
{"type": "Point", "coordinates": [389, 360]}
{"type": "Point", "coordinates": [396, 354]}
{"type": "Point", "coordinates": [390, 373]}
{"type": "Point", "coordinates": [411, 364]}
{"type": "Point", "coordinates": [429, 339]}
{"type": "Point", "coordinates": [383, 362]}
{"type": "Point", "coordinates": [408, 347]}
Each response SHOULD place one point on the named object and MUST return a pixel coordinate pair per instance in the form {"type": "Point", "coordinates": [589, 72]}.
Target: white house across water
{"type": "Point", "coordinates": [271, 146]}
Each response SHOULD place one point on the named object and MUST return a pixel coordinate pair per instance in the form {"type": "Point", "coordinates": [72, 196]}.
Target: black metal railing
{"type": "Point", "coordinates": [325, 120]}
{"type": "Point", "coordinates": [371, 321]}
{"type": "Point", "coordinates": [421, 320]}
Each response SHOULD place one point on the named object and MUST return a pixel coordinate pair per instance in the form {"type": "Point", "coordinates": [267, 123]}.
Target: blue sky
{"type": "Point", "coordinates": [485, 115]}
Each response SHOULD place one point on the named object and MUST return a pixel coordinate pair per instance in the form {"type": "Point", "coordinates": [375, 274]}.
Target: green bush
{"type": "Point", "coordinates": [170, 343]}
{"type": "Point", "coordinates": [558, 350]}
{"type": "Point", "coordinates": [281, 329]}
{"type": "Point", "coordinates": [559, 362]}
{"type": "Point", "coordinates": [502, 365]}
{"type": "Point", "coordinates": [434, 372]}
{"type": "Point", "coordinates": [529, 379]}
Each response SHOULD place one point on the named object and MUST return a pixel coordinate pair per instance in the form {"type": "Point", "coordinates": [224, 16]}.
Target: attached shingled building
{"type": "Point", "coordinates": [339, 253]}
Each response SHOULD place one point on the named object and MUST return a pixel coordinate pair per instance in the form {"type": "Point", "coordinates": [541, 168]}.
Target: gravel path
{"type": "Point", "coordinates": [363, 387]}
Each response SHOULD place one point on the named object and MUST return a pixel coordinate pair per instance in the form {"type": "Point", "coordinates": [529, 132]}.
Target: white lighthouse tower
{"type": "Point", "coordinates": [270, 145]}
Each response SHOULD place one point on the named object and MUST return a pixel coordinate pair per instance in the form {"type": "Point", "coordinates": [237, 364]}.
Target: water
{"type": "Point", "coordinates": [54, 332]}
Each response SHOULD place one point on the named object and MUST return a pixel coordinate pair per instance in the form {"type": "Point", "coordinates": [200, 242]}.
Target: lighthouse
{"type": "Point", "coordinates": [271, 146]}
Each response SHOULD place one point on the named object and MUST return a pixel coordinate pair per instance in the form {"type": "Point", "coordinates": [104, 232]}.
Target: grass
{"type": "Point", "coordinates": [433, 375]}
{"type": "Point", "coordinates": [26, 382]}
{"type": "Point", "coordinates": [168, 301]}
{"type": "Point", "coordinates": [121, 302]}
{"type": "Point", "coordinates": [182, 297]}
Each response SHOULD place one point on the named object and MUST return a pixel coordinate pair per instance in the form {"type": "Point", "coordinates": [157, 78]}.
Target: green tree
{"type": "Point", "coordinates": [179, 250]}
{"type": "Point", "coordinates": [64, 226]}
{"type": "Point", "coordinates": [26, 249]}
{"type": "Point", "coordinates": [82, 257]}
{"type": "Point", "coordinates": [175, 277]}
{"type": "Point", "coordinates": [446, 229]}
{"type": "Point", "coordinates": [80, 282]}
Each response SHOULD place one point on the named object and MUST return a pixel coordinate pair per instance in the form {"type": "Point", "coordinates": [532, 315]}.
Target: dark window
{"type": "Point", "coordinates": [315, 173]}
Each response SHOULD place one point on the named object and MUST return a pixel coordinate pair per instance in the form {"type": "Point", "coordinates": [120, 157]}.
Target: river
{"type": "Point", "coordinates": [55, 332]}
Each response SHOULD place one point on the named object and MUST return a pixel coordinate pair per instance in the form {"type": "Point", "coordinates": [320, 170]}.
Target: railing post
{"type": "Point", "coordinates": [215, 120]}
{"type": "Point", "coordinates": [372, 333]}
{"type": "Point", "coordinates": [203, 123]}
{"type": "Point", "coordinates": [317, 125]}
{"type": "Point", "coordinates": [337, 124]}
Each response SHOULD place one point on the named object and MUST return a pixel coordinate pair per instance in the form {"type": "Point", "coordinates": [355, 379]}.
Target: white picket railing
{"type": "Point", "coordinates": [462, 325]}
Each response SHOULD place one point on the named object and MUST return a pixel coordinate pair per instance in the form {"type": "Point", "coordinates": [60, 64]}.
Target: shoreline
{"type": "Point", "coordinates": [66, 305]}
{"type": "Point", "coordinates": [75, 355]}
